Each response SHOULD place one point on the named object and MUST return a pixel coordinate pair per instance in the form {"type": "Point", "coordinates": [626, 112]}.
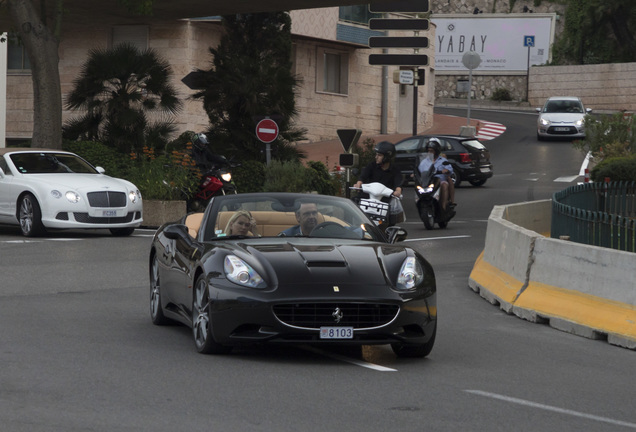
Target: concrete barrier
{"type": "Point", "coordinates": [585, 290]}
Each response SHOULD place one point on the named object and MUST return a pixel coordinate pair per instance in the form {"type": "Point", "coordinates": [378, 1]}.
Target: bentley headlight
{"type": "Point", "coordinates": [72, 196]}
{"type": "Point", "coordinates": [133, 196]}
{"type": "Point", "coordinates": [239, 272]}
{"type": "Point", "coordinates": [411, 274]}
{"type": "Point", "coordinates": [56, 193]}
{"type": "Point", "coordinates": [226, 177]}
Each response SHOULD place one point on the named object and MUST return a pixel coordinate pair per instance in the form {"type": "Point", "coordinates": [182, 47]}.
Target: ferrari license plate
{"type": "Point", "coordinates": [336, 332]}
{"type": "Point", "coordinates": [109, 213]}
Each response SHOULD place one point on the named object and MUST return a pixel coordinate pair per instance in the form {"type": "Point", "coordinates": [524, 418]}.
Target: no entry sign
{"type": "Point", "coordinates": [267, 130]}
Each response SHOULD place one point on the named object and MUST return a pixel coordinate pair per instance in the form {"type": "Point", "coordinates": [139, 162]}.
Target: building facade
{"type": "Point", "coordinates": [339, 88]}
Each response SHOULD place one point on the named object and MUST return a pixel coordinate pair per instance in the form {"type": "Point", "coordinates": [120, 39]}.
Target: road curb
{"type": "Point", "coordinates": [580, 289]}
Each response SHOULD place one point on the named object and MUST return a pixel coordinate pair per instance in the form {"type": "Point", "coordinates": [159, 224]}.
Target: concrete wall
{"type": "Point", "coordinates": [606, 86]}
{"type": "Point", "coordinates": [585, 290]}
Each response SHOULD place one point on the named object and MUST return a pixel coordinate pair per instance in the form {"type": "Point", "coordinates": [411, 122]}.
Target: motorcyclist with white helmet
{"type": "Point", "coordinates": [444, 171]}
{"type": "Point", "coordinates": [382, 169]}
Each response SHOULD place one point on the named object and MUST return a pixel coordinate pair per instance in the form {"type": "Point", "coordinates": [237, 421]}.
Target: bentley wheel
{"type": "Point", "coordinates": [156, 309]}
{"type": "Point", "coordinates": [427, 214]}
{"type": "Point", "coordinates": [201, 323]}
{"type": "Point", "coordinates": [415, 350]}
{"type": "Point", "coordinates": [30, 217]}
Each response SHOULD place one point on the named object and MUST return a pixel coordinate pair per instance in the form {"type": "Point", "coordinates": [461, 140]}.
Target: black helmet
{"type": "Point", "coordinates": [434, 144]}
{"type": "Point", "coordinates": [386, 149]}
{"type": "Point", "coordinates": [200, 141]}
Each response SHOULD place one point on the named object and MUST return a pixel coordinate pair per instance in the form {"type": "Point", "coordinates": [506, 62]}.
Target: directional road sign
{"type": "Point", "coordinates": [267, 130]}
{"type": "Point", "coordinates": [398, 24]}
{"type": "Point", "coordinates": [400, 6]}
{"type": "Point", "coordinates": [348, 137]}
{"type": "Point", "coordinates": [398, 59]}
{"type": "Point", "coordinates": [398, 42]}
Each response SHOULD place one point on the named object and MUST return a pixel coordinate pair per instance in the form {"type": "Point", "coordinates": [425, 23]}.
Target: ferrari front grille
{"type": "Point", "coordinates": [106, 199]}
{"type": "Point", "coordinates": [316, 315]}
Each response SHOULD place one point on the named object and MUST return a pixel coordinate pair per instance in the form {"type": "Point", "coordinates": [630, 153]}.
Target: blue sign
{"type": "Point", "coordinates": [528, 41]}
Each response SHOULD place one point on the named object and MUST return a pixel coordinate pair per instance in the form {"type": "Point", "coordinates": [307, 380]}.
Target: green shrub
{"type": "Point", "coordinates": [617, 169]}
{"type": "Point", "coordinates": [286, 177]}
{"type": "Point", "coordinates": [320, 180]}
{"type": "Point", "coordinates": [501, 94]}
{"type": "Point", "coordinates": [249, 177]}
{"type": "Point", "coordinates": [608, 136]}
{"type": "Point", "coordinates": [115, 163]}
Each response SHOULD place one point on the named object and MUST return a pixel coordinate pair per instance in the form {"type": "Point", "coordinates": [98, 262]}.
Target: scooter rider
{"type": "Point", "coordinates": [383, 170]}
{"type": "Point", "coordinates": [202, 155]}
{"type": "Point", "coordinates": [447, 187]}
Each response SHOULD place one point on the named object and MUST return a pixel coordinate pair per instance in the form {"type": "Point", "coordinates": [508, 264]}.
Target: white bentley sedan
{"type": "Point", "coordinates": [44, 189]}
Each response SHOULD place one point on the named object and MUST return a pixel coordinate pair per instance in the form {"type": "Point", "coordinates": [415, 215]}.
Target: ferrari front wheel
{"type": "Point", "coordinates": [156, 309]}
{"type": "Point", "coordinates": [201, 323]}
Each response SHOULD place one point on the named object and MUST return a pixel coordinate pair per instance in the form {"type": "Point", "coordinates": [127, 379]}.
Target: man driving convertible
{"type": "Point", "coordinates": [307, 217]}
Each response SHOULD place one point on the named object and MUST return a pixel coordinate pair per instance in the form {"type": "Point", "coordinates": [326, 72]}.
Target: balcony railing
{"type": "Point", "coordinates": [599, 214]}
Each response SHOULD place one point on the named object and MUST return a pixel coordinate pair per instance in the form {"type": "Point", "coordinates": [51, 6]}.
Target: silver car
{"type": "Point", "coordinates": [562, 117]}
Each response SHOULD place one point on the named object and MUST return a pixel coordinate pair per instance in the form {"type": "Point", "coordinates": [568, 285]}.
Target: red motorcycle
{"type": "Point", "coordinates": [216, 181]}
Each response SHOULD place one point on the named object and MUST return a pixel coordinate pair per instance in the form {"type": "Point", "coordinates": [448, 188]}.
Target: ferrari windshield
{"type": "Point", "coordinates": [287, 215]}
{"type": "Point", "coordinates": [50, 163]}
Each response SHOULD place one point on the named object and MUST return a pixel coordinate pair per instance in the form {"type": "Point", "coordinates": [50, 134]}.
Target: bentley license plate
{"type": "Point", "coordinates": [109, 213]}
{"type": "Point", "coordinates": [336, 332]}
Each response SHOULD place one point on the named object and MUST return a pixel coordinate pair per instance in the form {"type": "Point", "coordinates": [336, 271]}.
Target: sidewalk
{"type": "Point", "coordinates": [328, 152]}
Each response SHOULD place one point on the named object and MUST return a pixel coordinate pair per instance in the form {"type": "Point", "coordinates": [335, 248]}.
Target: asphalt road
{"type": "Point", "coordinates": [78, 351]}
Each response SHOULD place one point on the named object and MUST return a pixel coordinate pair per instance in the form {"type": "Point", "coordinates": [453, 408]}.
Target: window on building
{"type": "Point", "coordinates": [136, 35]}
{"type": "Point", "coordinates": [333, 71]}
{"type": "Point", "coordinates": [17, 58]}
{"type": "Point", "coordinates": [358, 14]}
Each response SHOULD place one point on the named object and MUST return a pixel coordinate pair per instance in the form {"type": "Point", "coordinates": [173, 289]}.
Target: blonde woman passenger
{"type": "Point", "coordinates": [241, 223]}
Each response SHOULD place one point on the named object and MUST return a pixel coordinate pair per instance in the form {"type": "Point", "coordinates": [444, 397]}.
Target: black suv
{"type": "Point", "coordinates": [469, 158]}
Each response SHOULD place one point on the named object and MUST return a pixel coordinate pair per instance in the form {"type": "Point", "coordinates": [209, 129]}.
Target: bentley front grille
{"type": "Point", "coordinates": [316, 315]}
{"type": "Point", "coordinates": [106, 199]}
{"type": "Point", "coordinates": [85, 218]}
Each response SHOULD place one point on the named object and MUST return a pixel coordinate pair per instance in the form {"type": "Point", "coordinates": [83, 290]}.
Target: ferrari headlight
{"type": "Point", "coordinates": [411, 274]}
{"type": "Point", "coordinates": [226, 177]}
{"type": "Point", "coordinates": [133, 196]}
{"type": "Point", "coordinates": [239, 272]}
{"type": "Point", "coordinates": [72, 196]}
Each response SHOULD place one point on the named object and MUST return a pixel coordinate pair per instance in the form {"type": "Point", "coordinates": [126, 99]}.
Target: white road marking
{"type": "Point", "coordinates": [489, 130]}
{"type": "Point", "coordinates": [566, 179]}
{"type": "Point", "coordinates": [350, 360]}
{"type": "Point", "coordinates": [585, 163]}
{"type": "Point", "coordinates": [552, 408]}
{"type": "Point", "coordinates": [437, 238]}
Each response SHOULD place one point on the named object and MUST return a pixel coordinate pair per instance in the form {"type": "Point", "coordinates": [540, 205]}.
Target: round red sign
{"type": "Point", "coordinates": [267, 130]}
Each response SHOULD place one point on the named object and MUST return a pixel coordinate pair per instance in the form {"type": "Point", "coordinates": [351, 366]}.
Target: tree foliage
{"type": "Point", "coordinates": [119, 89]}
{"type": "Point", "coordinates": [251, 77]}
{"type": "Point", "coordinates": [597, 31]}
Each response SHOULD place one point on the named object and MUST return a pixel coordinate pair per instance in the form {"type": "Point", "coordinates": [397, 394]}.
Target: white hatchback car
{"type": "Point", "coordinates": [41, 188]}
{"type": "Point", "coordinates": [562, 117]}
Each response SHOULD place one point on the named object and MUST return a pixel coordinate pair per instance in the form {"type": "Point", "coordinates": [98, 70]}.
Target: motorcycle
{"type": "Point", "coordinates": [217, 180]}
{"type": "Point", "coordinates": [427, 198]}
{"type": "Point", "coordinates": [378, 211]}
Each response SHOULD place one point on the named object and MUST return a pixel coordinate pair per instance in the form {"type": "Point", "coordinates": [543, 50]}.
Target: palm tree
{"type": "Point", "coordinates": [119, 89]}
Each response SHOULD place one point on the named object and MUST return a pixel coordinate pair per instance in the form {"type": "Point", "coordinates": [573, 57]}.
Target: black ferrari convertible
{"type": "Point", "coordinates": [291, 268]}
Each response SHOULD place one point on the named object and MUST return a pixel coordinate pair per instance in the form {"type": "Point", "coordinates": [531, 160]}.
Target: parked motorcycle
{"type": "Point", "coordinates": [427, 198]}
{"type": "Point", "coordinates": [216, 181]}
{"type": "Point", "coordinates": [383, 214]}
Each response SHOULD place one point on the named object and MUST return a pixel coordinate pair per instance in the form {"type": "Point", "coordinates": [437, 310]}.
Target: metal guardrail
{"type": "Point", "coordinates": [598, 214]}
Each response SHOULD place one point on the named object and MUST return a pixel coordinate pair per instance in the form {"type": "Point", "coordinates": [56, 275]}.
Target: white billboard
{"type": "Point", "coordinates": [503, 41]}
